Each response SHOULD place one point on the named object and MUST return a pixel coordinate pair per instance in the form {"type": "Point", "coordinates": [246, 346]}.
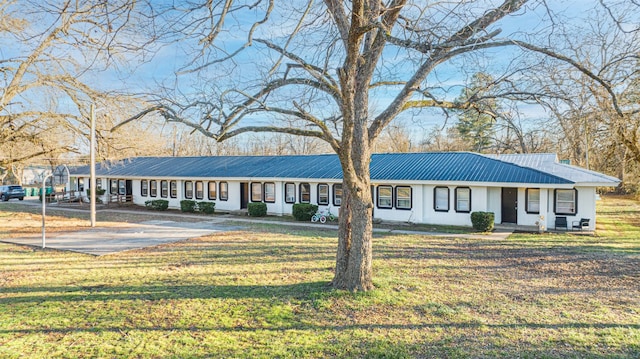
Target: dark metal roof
{"type": "Point", "coordinates": [437, 166]}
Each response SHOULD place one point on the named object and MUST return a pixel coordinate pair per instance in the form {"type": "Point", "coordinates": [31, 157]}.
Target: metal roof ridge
{"type": "Point", "coordinates": [525, 167]}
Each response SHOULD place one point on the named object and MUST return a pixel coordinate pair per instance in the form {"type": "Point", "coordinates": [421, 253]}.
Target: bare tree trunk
{"type": "Point", "coordinates": [354, 270]}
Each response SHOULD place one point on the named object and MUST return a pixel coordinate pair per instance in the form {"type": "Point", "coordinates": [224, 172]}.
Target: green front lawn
{"type": "Point", "coordinates": [263, 293]}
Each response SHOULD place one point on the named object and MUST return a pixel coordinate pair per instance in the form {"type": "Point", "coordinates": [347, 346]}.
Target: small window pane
{"type": "Point", "coordinates": [337, 194]}
{"type": "Point", "coordinates": [224, 191]}
{"type": "Point", "coordinates": [290, 193]}
{"type": "Point", "coordinates": [566, 201]}
{"type": "Point", "coordinates": [121, 187]}
{"type": "Point", "coordinates": [173, 189]}
{"type": "Point", "coordinates": [164, 190]}
{"type": "Point", "coordinates": [188, 189]}
{"type": "Point", "coordinates": [463, 200]}
{"type": "Point", "coordinates": [533, 200]}
{"type": "Point", "coordinates": [144, 188]}
{"type": "Point", "coordinates": [114, 187]}
{"type": "Point", "coordinates": [256, 192]}
{"type": "Point", "coordinates": [212, 190]}
{"type": "Point", "coordinates": [441, 199]}
{"type": "Point", "coordinates": [270, 192]}
{"type": "Point", "coordinates": [199, 190]}
{"type": "Point", "coordinates": [305, 193]}
{"type": "Point", "coordinates": [385, 199]}
{"type": "Point", "coordinates": [154, 188]}
{"type": "Point", "coordinates": [323, 194]}
{"type": "Point", "coordinates": [403, 197]}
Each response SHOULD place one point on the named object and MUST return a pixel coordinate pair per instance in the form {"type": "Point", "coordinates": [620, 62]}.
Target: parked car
{"type": "Point", "coordinates": [8, 192]}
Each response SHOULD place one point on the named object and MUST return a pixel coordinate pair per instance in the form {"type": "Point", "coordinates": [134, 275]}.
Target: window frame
{"type": "Point", "coordinates": [122, 187]}
{"type": "Point", "coordinates": [198, 190]}
{"type": "Point", "coordinates": [574, 202]}
{"type": "Point", "coordinates": [324, 197]}
{"type": "Point", "coordinates": [164, 189]}
{"type": "Point", "coordinates": [255, 192]}
{"type": "Point", "coordinates": [212, 185]}
{"type": "Point", "coordinates": [288, 186]}
{"type": "Point", "coordinates": [457, 200]}
{"type": "Point", "coordinates": [435, 199]}
{"type": "Point", "coordinates": [266, 198]}
{"type": "Point", "coordinates": [397, 198]}
{"type": "Point", "coordinates": [153, 188]}
{"type": "Point", "coordinates": [389, 197]}
{"type": "Point", "coordinates": [337, 200]}
{"type": "Point", "coordinates": [223, 194]}
{"type": "Point", "coordinates": [144, 188]}
{"type": "Point", "coordinates": [173, 189]}
{"type": "Point", "coordinates": [528, 200]}
{"type": "Point", "coordinates": [113, 186]}
{"type": "Point", "coordinates": [306, 193]}
{"type": "Point", "coordinates": [188, 192]}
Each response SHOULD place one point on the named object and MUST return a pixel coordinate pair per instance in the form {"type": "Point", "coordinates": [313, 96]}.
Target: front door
{"type": "Point", "coordinates": [129, 188]}
{"type": "Point", "coordinates": [244, 195]}
{"type": "Point", "coordinates": [510, 205]}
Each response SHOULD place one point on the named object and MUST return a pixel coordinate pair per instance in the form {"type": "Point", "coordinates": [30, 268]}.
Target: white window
{"type": "Point", "coordinates": [212, 190]}
{"type": "Point", "coordinates": [256, 192]}
{"type": "Point", "coordinates": [173, 189]}
{"type": "Point", "coordinates": [290, 192]}
{"type": "Point", "coordinates": [164, 190]}
{"type": "Point", "coordinates": [122, 189]}
{"type": "Point", "coordinates": [270, 192]}
{"type": "Point", "coordinates": [323, 194]}
{"type": "Point", "coordinates": [385, 197]}
{"type": "Point", "coordinates": [441, 199]}
{"type": "Point", "coordinates": [337, 194]}
{"type": "Point", "coordinates": [533, 200]}
{"type": "Point", "coordinates": [188, 189]}
{"type": "Point", "coordinates": [463, 199]}
{"type": "Point", "coordinates": [153, 185]}
{"type": "Point", "coordinates": [224, 191]}
{"type": "Point", "coordinates": [305, 193]}
{"type": "Point", "coordinates": [403, 197]}
{"type": "Point", "coordinates": [144, 188]}
{"type": "Point", "coordinates": [566, 202]}
{"type": "Point", "coordinates": [199, 190]}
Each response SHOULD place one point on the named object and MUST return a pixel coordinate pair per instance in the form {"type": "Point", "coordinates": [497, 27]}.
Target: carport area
{"type": "Point", "coordinates": [106, 240]}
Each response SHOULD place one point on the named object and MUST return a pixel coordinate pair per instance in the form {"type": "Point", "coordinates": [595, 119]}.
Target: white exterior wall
{"type": "Point", "coordinates": [494, 203]}
{"type": "Point", "coordinates": [480, 200]}
{"type": "Point", "coordinates": [483, 198]}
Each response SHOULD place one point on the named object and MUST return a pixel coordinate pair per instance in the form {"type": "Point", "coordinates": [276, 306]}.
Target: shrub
{"type": "Point", "coordinates": [304, 211]}
{"type": "Point", "coordinates": [257, 209]}
{"type": "Point", "coordinates": [188, 205]}
{"type": "Point", "coordinates": [99, 191]}
{"type": "Point", "coordinates": [482, 221]}
{"type": "Point", "coordinates": [207, 207]}
{"type": "Point", "coordinates": [157, 204]}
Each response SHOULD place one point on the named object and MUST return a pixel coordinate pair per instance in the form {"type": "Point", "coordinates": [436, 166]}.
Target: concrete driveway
{"type": "Point", "coordinates": [105, 240]}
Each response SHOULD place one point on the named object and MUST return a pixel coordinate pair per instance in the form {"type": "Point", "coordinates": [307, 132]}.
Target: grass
{"type": "Point", "coordinates": [262, 293]}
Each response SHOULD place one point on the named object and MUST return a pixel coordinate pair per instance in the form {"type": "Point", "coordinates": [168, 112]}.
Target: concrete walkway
{"type": "Point", "coordinates": [168, 228]}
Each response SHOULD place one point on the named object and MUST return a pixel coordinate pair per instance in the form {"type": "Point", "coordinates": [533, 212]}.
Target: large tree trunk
{"type": "Point", "coordinates": [354, 256]}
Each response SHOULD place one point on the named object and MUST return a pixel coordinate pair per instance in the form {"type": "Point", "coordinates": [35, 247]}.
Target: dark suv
{"type": "Point", "coordinates": [11, 191]}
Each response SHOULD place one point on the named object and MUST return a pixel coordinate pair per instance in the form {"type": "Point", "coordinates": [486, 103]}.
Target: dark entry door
{"type": "Point", "coordinates": [244, 195]}
{"type": "Point", "coordinates": [128, 185]}
{"type": "Point", "coordinates": [509, 205]}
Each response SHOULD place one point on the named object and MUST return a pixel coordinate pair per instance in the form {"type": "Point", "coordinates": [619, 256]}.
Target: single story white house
{"type": "Point", "coordinates": [432, 188]}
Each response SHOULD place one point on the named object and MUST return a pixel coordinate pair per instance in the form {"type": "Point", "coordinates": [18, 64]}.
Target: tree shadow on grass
{"type": "Point", "coordinates": [299, 291]}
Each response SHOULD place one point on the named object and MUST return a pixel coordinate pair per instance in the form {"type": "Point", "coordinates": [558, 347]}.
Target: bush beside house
{"type": "Point", "coordinates": [304, 211]}
{"type": "Point", "coordinates": [257, 209]}
{"type": "Point", "coordinates": [482, 221]}
{"type": "Point", "coordinates": [157, 204]}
